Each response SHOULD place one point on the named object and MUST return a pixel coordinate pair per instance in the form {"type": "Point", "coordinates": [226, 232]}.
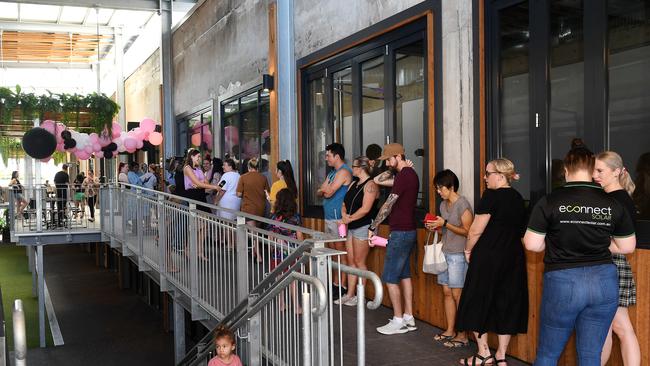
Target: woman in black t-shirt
{"type": "Point", "coordinates": [610, 173]}
{"type": "Point", "coordinates": [575, 225]}
{"type": "Point", "coordinates": [357, 212]}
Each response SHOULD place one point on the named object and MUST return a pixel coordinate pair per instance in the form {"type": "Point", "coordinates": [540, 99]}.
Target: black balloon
{"type": "Point", "coordinates": [68, 144]}
{"type": "Point", "coordinates": [108, 154]}
{"type": "Point", "coordinates": [65, 134]}
{"type": "Point", "coordinates": [112, 146]}
{"type": "Point", "coordinates": [39, 143]}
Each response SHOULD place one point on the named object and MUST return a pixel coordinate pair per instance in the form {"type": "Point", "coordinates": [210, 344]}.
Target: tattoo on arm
{"type": "Point", "coordinates": [385, 176]}
{"type": "Point", "coordinates": [385, 210]}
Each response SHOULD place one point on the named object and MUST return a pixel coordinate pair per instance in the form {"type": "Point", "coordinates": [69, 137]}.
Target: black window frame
{"type": "Point", "coordinates": [386, 44]}
{"type": "Point", "coordinates": [183, 128]}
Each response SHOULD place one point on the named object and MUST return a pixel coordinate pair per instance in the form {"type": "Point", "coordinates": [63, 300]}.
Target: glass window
{"type": "Point", "coordinates": [246, 129]}
{"type": "Point", "coordinates": [199, 133]}
{"type": "Point", "coordinates": [409, 107]}
{"type": "Point", "coordinates": [318, 138]}
{"type": "Point", "coordinates": [343, 110]}
{"type": "Point", "coordinates": [629, 92]}
{"type": "Point", "coordinates": [514, 94]}
{"type": "Point", "coordinates": [373, 127]}
{"type": "Point", "coordinates": [567, 79]}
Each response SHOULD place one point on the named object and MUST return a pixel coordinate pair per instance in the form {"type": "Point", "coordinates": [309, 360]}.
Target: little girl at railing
{"type": "Point", "coordinates": [225, 345]}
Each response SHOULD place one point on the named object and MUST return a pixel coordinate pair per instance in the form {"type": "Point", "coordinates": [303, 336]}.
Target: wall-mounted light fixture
{"type": "Point", "coordinates": [267, 82]}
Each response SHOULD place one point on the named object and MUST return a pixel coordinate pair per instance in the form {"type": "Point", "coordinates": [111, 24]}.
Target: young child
{"type": "Point", "coordinates": [224, 343]}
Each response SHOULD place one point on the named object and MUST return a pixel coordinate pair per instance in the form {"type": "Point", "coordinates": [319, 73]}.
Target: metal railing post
{"type": "Point", "coordinates": [254, 335]}
{"type": "Point", "coordinates": [123, 210]}
{"type": "Point", "coordinates": [361, 322]}
{"type": "Point", "coordinates": [242, 260]}
{"type": "Point", "coordinates": [320, 269]}
{"type": "Point", "coordinates": [138, 226]}
{"type": "Point", "coordinates": [306, 329]}
{"type": "Point", "coordinates": [162, 237]}
{"type": "Point", "coordinates": [194, 261]}
{"type": "Point", "coordinates": [20, 336]}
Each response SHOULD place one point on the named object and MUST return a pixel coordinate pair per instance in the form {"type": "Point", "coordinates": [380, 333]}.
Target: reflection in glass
{"type": "Point", "coordinates": [318, 137]}
{"type": "Point", "coordinates": [343, 110]}
{"type": "Point", "coordinates": [409, 107]}
{"type": "Point", "coordinates": [514, 94]}
{"type": "Point", "coordinates": [567, 75]}
{"type": "Point", "coordinates": [629, 92]}
{"type": "Point", "coordinates": [231, 130]}
{"type": "Point", "coordinates": [372, 103]}
{"type": "Point", "coordinates": [265, 135]}
{"type": "Point", "coordinates": [249, 137]}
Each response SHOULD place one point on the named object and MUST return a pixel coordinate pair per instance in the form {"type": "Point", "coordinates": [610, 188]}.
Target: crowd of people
{"type": "Point", "coordinates": [585, 227]}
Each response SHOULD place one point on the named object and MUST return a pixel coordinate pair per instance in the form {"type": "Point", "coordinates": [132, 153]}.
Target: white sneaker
{"type": "Point", "coordinates": [343, 299]}
{"type": "Point", "coordinates": [352, 301]}
{"type": "Point", "coordinates": [410, 324]}
{"type": "Point", "coordinates": [393, 327]}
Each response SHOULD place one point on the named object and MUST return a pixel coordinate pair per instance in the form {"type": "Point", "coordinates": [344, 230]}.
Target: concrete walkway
{"type": "Point", "coordinates": [101, 324]}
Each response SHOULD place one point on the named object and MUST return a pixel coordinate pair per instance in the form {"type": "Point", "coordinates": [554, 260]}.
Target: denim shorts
{"type": "Point", "coordinates": [360, 233]}
{"type": "Point", "coordinates": [332, 227]}
{"type": "Point", "coordinates": [397, 264]}
{"type": "Point", "coordinates": [454, 276]}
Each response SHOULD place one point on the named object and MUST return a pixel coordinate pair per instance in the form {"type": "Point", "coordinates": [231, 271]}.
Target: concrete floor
{"type": "Point", "coordinates": [101, 324]}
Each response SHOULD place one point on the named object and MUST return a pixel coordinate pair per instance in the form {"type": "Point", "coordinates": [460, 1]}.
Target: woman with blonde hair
{"type": "Point", "coordinates": [610, 173]}
{"type": "Point", "coordinates": [495, 294]}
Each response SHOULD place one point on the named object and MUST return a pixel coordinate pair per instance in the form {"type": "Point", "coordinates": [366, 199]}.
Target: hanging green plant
{"type": "Point", "coordinates": [8, 102]}
{"type": "Point", "coordinates": [10, 148]}
{"type": "Point", "coordinates": [71, 105]}
{"type": "Point", "coordinates": [29, 106]}
{"type": "Point", "coordinates": [59, 157]}
{"type": "Point", "coordinates": [103, 110]}
{"type": "Point", "coordinates": [48, 104]}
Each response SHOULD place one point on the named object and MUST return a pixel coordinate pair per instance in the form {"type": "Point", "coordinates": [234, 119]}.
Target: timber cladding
{"type": "Point", "coordinates": [428, 300]}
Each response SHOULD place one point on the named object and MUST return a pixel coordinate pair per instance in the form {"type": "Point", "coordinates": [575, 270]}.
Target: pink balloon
{"type": "Point", "coordinates": [231, 135]}
{"type": "Point", "coordinates": [99, 154]}
{"type": "Point", "coordinates": [140, 144]}
{"type": "Point", "coordinates": [155, 138]}
{"type": "Point", "coordinates": [207, 136]}
{"type": "Point", "coordinates": [130, 151]}
{"type": "Point", "coordinates": [59, 147]}
{"type": "Point", "coordinates": [196, 139]}
{"type": "Point", "coordinates": [49, 126]}
{"type": "Point", "coordinates": [104, 141]}
{"type": "Point", "coordinates": [93, 138]}
{"type": "Point", "coordinates": [148, 125]}
{"type": "Point", "coordinates": [130, 143]}
{"type": "Point", "coordinates": [116, 129]}
{"type": "Point", "coordinates": [88, 149]}
{"type": "Point", "coordinates": [60, 127]}
{"type": "Point", "coordinates": [81, 155]}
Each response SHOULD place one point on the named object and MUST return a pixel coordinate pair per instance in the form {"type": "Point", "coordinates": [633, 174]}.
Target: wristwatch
{"type": "Point", "coordinates": [445, 224]}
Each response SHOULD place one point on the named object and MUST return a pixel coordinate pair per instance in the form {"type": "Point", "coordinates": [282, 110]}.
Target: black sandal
{"type": "Point", "coordinates": [440, 337]}
{"type": "Point", "coordinates": [500, 361]}
{"type": "Point", "coordinates": [484, 360]}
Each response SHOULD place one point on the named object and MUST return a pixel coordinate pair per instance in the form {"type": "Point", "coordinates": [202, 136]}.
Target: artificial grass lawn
{"type": "Point", "coordinates": [16, 283]}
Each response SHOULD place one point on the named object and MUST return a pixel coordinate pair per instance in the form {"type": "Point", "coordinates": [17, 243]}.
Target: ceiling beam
{"type": "Point", "coordinates": [105, 4]}
{"type": "Point", "coordinates": [44, 65]}
{"type": "Point", "coordinates": [53, 28]}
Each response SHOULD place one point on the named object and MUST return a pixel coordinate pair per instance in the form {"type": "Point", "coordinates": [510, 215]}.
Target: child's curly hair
{"type": "Point", "coordinates": [224, 332]}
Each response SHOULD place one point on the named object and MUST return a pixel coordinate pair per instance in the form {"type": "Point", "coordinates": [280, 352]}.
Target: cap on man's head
{"type": "Point", "coordinates": [64, 166]}
{"type": "Point", "coordinates": [392, 150]}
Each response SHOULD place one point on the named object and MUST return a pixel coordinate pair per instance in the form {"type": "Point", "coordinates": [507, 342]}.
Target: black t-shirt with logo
{"type": "Point", "coordinates": [579, 220]}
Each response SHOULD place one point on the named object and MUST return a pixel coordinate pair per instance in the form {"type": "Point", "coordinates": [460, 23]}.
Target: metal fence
{"type": "Point", "coordinates": [237, 270]}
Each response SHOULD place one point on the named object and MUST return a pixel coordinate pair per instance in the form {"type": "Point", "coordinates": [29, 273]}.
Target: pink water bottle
{"type": "Point", "coordinates": [378, 241]}
{"type": "Point", "coordinates": [343, 230]}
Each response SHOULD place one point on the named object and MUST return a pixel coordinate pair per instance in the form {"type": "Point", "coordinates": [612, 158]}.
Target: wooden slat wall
{"type": "Point", "coordinates": [428, 300]}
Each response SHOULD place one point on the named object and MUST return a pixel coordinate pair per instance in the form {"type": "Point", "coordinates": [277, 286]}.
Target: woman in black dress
{"type": "Point", "coordinates": [495, 297]}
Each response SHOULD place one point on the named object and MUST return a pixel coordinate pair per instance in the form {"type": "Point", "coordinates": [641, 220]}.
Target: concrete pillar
{"type": "Point", "coordinates": [287, 107]}
{"type": "Point", "coordinates": [457, 91]}
{"type": "Point", "coordinates": [167, 77]}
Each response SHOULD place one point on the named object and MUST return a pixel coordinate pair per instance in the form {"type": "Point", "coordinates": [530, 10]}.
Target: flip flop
{"type": "Point", "coordinates": [453, 343]}
{"type": "Point", "coordinates": [440, 337]}
{"type": "Point", "coordinates": [483, 360]}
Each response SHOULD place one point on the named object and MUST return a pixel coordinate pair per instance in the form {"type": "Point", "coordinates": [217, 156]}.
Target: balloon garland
{"type": "Point", "coordinates": [104, 145]}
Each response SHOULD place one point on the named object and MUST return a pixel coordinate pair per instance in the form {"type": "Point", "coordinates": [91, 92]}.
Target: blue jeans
{"type": "Point", "coordinates": [397, 264]}
{"type": "Point", "coordinates": [584, 299]}
{"type": "Point", "coordinates": [454, 276]}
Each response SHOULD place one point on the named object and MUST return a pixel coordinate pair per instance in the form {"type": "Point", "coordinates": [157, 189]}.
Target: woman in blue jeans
{"type": "Point", "coordinates": [578, 225]}
{"type": "Point", "coordinates": [455, 219]}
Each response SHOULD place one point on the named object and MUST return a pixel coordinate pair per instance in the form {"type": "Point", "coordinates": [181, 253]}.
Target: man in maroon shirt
{"type": "Point", "coordinates": [400, 209]}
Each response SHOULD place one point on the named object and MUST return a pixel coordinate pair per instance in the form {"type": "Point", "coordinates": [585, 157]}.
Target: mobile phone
{"type": "Point", "coordinates": [222, 183]}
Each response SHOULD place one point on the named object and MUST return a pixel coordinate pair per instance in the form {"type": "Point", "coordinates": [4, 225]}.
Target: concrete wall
{"type": "Point", "coordinates": [223, 43]}
{"type": "Point", "coordinates": [142, 91]}
{"type": "Point", "coordinates": [317, 26]}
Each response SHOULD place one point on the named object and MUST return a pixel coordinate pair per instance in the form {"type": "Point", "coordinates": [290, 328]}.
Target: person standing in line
{"type": "Point", "coordinates": [61, 181]}
{"type": "Point", "coordinates": [333, 191]}
{"type": "Point", "coordinates": [133, 174]}
{"type": "Point", "coordinates": [90, 187]}
{"type": "Point", "coordinates": [400, 206]}
{"type": "Point", "coordinates": [227, 195]}
{"type": "Point", "coordinates": [578, 226]}
{"type": "Point", "coordinates": [357, 212]}
{"type": "Point", "coordinates": [79, 196]}
{"type": "Point", "coordinates": [122, 171]}
{"type": "Point", "coordinates": [251, 189]}
{"type": "Point", "coordinates": [284, 173]}
{"type": "Point", "coordinates": [455, 219]}
{"type": "Point", "coordinates": [214, 178]}
{"type": "Point", "coordinates": [495, 295]}
{"type": "Point", "coordinates": [610, 173]}
{"type": "Point", "coordinates": [18, 193]}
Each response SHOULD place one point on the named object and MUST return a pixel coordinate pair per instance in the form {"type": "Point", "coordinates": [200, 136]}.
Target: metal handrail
{"type": "Point", "coordinates": [372, 276]}
{"type": "Point", "coordinates": [233, 322]}
{"type": "Point", "coordinates": [313, 233]}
